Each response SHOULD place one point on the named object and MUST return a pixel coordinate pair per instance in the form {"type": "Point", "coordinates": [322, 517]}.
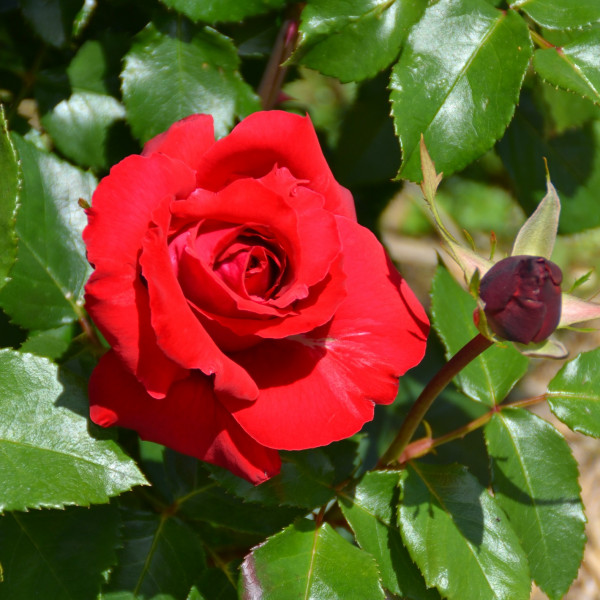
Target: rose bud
{"type": "Point", "coordinates": [522, 298]}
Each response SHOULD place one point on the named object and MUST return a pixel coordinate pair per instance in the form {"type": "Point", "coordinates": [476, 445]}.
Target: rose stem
{"type": "Point", "coordinates": [270, 85]}
{"type": "Point", "coordinates": [425, 445]}
{"type": "Point", "coordinates": [431, 391]}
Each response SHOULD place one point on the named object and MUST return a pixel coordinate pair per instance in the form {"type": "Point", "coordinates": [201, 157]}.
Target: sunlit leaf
{"type": "Point", "coordinates": [46, 286]}
{"type": "Point", "coordinates": [371, 510]}
{"type": "Point", "coordinates": [303, 561]}
{"type": "Point", "coordinates": [574, 393]}
{"type": "Point", "coordinates": [50, 454]}
{"type": "Point", "coordinates": [355, 39]}
{"type": "Point", "coordinates": [543, 505]}
{"type": "Point", "coordinates": [168, 76]}
{"type": "Point", "coordinates": [457, 83]}
{"type": "Point", "coordinates": [459, 537]}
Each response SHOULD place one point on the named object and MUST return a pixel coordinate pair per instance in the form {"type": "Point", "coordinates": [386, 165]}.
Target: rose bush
{"type": "Point", "coordinates": [246, 309]}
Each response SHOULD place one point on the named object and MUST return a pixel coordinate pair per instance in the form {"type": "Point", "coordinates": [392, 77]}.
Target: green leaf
{"type": "Point", "coordinates": [459, 537]}
{"type": "Point", "coordinates": [543, 505]}
{"type": "Point", "coordinates": [51, 343]}
{"type": "Point", "coordinates": [210, 503]}
{"type": "Point", "coordinates": [457, 83]}
{"type": "Point", "coordinates": [57, 555]}
{"type": "Point", "coordinates": [10, 184]}
{"type": "Point", "coordinates": [80, 127]}
{"type": "Point", "coordinates": [574, 394]}
{"type": "Point", "coordinates": [52, 20]}
{"type": "Point", "coordinates": [353, 40]}
{"type": "Point", "coordinates": [171, 75]}
{"type": "Point", "coordinates": [307, 478]}
{"type": "Point", "coordinates": [213, 11]}
{"type": "Point", "coordinates": [50, 455]}
{"type": "Point", "coordinates": [371, 510]}
{"type": "Point", "coordinates": [214, 585]}
{"type": "Point", "coordinates": [573, 161]}
{"type": "Point", "coordinates": [560, 14]}
{"type": "Point", "coordinates": [491, 376]}
{"type": "Point", "coordinates": [46, 287]}
{"type": "Point", "coordinates": [308, 561]}
{"type": "Point", "coordinates": [574, 67]}
{"type": "Point", "coordinates": [160, 555]}
{"type": "Point", "coordinates": [566, 110]}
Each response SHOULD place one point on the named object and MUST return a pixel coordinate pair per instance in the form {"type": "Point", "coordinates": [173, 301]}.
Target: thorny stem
{"type": "Point", "coordinates": [425, 445]}
{"type": "Point", "coordinates": [431, 391]}
{"type": "Point", "coordinates": [270, 85]}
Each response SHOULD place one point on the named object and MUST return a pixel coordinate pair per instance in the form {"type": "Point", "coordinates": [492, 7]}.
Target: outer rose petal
{"type": "Point", "coordinates": [187, 140]}
{"type": "Point", "coordinates": [189, 420]}
{"type": "Point", "coordinates": [269, 138]}
{"type": "Point", "coordinates": [320, 387]}
{"type": "Point", "coordinates": [121, 211]}
{"type": "Point", "coordinates": [122, 207]}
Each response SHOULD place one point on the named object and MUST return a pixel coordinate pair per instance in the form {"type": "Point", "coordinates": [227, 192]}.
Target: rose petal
{"type": "Point", "coordinates": [116, 299]}
{"type": "Point", "coordinates": [179, 333]}
{"type": "Point", "coordinates": [123, 304]}
{"type": "Point", "coordinates": [269, 138]}
{"type": "Point", "coordinates": [123, 203]}
{"type": "Point", "coordinates": [321, 386]}
{"type": "Point", "coordinates": [189, 420]}
{"type": "Point", "coordinates": [186, 140]}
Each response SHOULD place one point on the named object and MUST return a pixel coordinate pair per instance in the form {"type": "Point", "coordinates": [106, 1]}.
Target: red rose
{"type": "Point", "coordinates": [246, 309]}
{"type": "Point", "coordinates": [522, 298]}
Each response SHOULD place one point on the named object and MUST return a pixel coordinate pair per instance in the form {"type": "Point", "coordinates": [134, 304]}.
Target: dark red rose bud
{"type": "Point", "coordinates": [522, 298]}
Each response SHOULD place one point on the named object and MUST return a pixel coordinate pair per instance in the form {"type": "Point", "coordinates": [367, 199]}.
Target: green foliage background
{"type": "Point", "coordinates": [495, 87]}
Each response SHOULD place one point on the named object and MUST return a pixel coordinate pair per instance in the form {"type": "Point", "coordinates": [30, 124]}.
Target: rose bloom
{"type": "Point", "coordinates": [246, 309]}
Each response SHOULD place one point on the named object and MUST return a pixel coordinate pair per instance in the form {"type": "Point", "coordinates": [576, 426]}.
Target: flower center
{"type": "Point", "coordinates": [253, 265]}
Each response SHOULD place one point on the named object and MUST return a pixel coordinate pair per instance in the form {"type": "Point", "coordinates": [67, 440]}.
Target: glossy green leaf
{"type": "Point", "coordinates": [491, 376]}
{"type": "Point", "coordinates": [52, 20]}
{"type": "Point", "coordinates": [457, 83]}
{"type": "Point", "coordinates": [574, 67]}
{"type": "Point", "coordinates": [573, 161]}
{"type": "Point", "coordinates": [171, 75]}
{"type": "Point", "coordinates": [459, 537]}
{"type": "Point", "coordinates": [560, 14]}
{"type": "Point", "coordinates": [50, 454]}
{"type": "Point", "coordinates": [10, 184]}
{"type": "Point", "coordinates": [57, 555]}
{"type": "Point", "coordinates": [80, 127]}
{"type": "Point", "coordinates": [46, 286]}
{"type": "Point", "coordinates": [304, 561]}
{"type": "Point", "coordinates": [371, 510]}
{"type": "Point", "coordinates": [159, 555]}
{"type": "Point", "coordinates": [574, 394]}
{"type": "Point", "coordinates": [355, 39]}
{"type": "Point", "coordinates": [543, 505]}
{"type": "Point", "coordinates": [213, 11]}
